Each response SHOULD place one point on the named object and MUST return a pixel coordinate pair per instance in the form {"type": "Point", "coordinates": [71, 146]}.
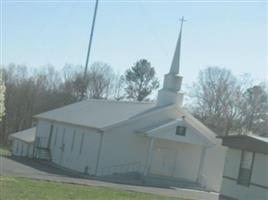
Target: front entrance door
{"type": "Point", "coordinates": [163, 161]}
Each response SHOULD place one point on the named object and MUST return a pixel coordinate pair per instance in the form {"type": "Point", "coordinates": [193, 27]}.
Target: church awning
{"type": "Point", "coordinates": [27, 135]}
{"type": "Point", "coordinates": [246, 142]}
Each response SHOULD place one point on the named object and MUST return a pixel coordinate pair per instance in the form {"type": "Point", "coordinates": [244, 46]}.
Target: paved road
{"type": "Point", "coordinates": [11, 166]}
{"type": "Point", "coordinates": [17, 166]}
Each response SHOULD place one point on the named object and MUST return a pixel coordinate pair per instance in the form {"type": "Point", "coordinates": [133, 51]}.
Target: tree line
{"type": "Point", "coordinates": [32, 91]}
{"type": "Point", "coordinates": [228, 104]}
{"type": "Point", "coordinates": [223, 102]}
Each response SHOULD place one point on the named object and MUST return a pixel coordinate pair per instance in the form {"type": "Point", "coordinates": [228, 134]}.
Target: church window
{"type": "Point", "coordinates": [246, 166]}
{"type": "Point", "coordinates": [181, 130]}
{"type": "Point", "coordinates": [21, 150]}
{"type": "Point", "coordinates": [72, 147]}
{"type": "Point", "coordinates": [82, 142]}
{"type": "Point", "coordinates": [17, 146]}
{"type": "Point", "coordinates": [50, 135]}
{"type": "Point", "coordinates": [62, 140]}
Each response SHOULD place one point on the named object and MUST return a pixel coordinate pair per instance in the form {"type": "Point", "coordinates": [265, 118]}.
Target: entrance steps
{"type": "Point", "coordinates": [44, 154]}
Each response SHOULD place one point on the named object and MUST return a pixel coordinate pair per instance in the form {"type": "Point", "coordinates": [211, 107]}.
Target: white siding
{"type": "Point", "coordinates": [20, 148]}
{"type": "Point", "coordinates": [212, 170]}
{"type": "Point", "coordinates": [63, 154]}
{"type": "Point", "coordinates": [42, 131]}
{"type": "Point", "coordinates": [186, 159]}
{"type": "Point", "coordinates": [30, 152]}
{"type": "Point", "coordinates": [232, 163]}
{"type": "Point", "coordinates": [15, 147]}
{"type": "Point", "coordinates": [121, 146]}
{"type": "Point", "coordinates": [260, 170]}
{"type": "Point", "coordinates": [232, 189]}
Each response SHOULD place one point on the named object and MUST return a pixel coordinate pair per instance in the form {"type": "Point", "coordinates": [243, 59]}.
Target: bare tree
{"type": "Point", "coordinates": [229, 105]}
{"type": "Point", "coordinates": [29, 93]}
{"type": "Point", "coordinates": [216, 94]}
{"type": "Point", "coordinates": [100, 78]}
{"type": "Point", "coordinates": [255, 109]}
{"type": "Point", "coordinates": [119, 85]}
{"type": "Point", "coordinates": [73, 81]}
{"type": "Point", "coordinates": [140, 80]}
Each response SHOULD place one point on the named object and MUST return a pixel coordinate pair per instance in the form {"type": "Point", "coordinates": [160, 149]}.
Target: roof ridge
{"type": "Point", "coordinates": [257, 137]}
{"type": "Point", "coordinates": [115, 101]}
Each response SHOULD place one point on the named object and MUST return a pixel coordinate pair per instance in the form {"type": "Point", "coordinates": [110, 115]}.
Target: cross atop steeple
{"type": "Point", "coordinates": [175, 65]}
{"type": "Point", "coordinates": [182, 20]}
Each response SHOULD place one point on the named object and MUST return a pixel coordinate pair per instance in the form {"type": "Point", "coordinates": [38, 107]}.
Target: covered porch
{"type": "Point", "coordinates": [176, 152]}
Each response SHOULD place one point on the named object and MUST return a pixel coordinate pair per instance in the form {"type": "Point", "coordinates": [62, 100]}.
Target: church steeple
{"type": "Point", "coordinates": [170, 93]}
{"type": "Point", "coordinates": [175, 65]}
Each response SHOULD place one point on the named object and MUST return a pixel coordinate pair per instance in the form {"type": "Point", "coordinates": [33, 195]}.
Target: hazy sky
{"type": "Point", "coordinates": [227, 34]}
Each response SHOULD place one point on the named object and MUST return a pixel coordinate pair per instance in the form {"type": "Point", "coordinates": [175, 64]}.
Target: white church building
{"type": "Point", "coordinates": [103, 137]}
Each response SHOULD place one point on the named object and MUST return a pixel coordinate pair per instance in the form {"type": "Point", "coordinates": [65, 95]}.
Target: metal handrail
{"type": "Point", "coordinates": [40, 145]}
{"type": "Point", "coordinates": [40, 142]}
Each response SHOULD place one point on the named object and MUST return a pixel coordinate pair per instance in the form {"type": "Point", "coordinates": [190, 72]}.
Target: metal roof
{"type": "Point", "coordinates": [246, 142]}
{"type": "Point", "coordinates": [104, 114]}
{"type": "Point", "coordinates": [27, 135]}
{"type": "Point", "coordinates": [96, 113]}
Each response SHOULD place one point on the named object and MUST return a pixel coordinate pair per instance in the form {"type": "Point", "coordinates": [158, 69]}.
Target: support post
{"type": "Point", "coordinates": [149, 157]}
{"type": "Point", "coordinates": [201, 165]}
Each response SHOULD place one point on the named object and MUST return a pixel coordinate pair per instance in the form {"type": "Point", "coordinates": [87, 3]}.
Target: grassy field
{"type": "Point", "coordinates": [22, 188]}
{"type": "Point", "coordinates": [4, 151]}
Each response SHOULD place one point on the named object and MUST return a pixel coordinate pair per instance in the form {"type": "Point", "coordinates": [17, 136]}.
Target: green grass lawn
{"type": "Point", "coordinates": [12, 188]}
{"type": "Point", "coordinates": [4, 151]}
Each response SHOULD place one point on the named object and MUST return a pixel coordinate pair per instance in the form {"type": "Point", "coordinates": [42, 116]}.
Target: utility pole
{"type": "Point", "coordinates": [84, 85]}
